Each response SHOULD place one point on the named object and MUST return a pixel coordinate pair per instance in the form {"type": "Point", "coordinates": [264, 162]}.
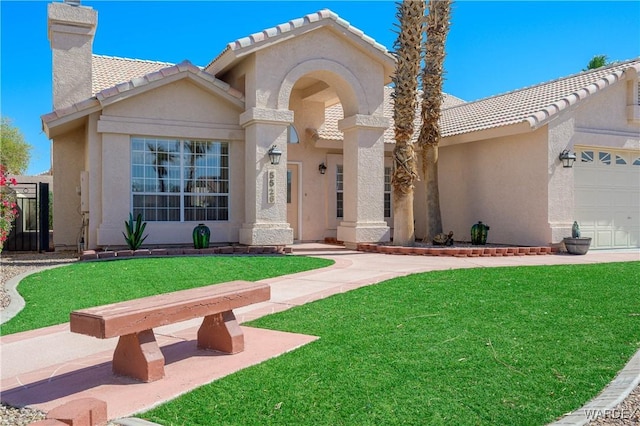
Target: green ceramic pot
{"type": "Point", "coordinates": [201, 234]}
{"type": "Point", "coordinates": [479, 233]}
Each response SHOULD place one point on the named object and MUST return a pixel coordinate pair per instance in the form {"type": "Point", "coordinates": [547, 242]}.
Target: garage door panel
{"type": "Point", "coordinates": [604, 238]}
{"type": "Point", "coordinates": [622, 218]}
{"type": "Point", "coordinates": [621, 238]}
{"type": "Point", "coordinates": [607, 197]}
{"type": "Point", "coordinates": [620, 198]}
{"type": "Point", "coordinates": [586, 197]}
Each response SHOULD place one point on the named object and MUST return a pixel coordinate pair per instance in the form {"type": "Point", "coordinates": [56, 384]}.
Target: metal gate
{"type": "Point", "coordinates": [30, 229]}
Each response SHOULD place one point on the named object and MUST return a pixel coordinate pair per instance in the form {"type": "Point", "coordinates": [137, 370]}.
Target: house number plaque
{"type": "Point", "coordinates": [271, 186]}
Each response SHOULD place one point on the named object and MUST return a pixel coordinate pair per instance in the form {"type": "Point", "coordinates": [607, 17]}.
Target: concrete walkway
{"type": "Point", "coordinates": [47, 367]}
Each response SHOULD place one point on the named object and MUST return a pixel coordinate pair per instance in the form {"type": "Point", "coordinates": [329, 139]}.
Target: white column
{"type": "Point", "coordinates": [363, 180]}
{"type": "Point", "coordinates": [265, 184]}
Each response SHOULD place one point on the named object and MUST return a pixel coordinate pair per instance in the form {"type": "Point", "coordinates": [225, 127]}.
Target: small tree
{"type": "Point", "coordinates": [15, 153]}
{"type": "Point", "coordinates": [8, 210]}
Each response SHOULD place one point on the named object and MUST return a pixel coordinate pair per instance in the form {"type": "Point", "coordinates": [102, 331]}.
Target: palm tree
{"type": "Point", "coordinates": [161, 158]}
{"type": "Point", "coordinates": [597, 62]}
{"type": "Point", "coordinates": [408, 47]}
{"type": "Point", "coordinates": [437, 28]}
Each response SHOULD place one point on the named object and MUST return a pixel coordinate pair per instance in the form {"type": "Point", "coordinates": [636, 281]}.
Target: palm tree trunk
{"type": "Point", "coordinates": [432, 213]}
{"type": "Point", "coordinates": [408, 47]}
{"type": "Point", "coordinates": [437, 28]}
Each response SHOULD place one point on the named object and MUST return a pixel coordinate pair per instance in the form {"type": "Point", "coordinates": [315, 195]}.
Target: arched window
{"type": "Point", "coordinates": [292, 135]}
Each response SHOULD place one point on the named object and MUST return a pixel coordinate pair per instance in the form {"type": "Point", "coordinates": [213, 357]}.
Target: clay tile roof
{"type": "Point", "coordinates": [266, 34]}
{"type": "Point", "coordinates": [167, 71]}
{"type": "Point", "coordinates": [329, 130]}
{"type": "Point", "coordinates": [113, 76]}
{"type": "Point", "coordinates": [535, 104]}
{"type": "Point", "coordinates": [108, 71]}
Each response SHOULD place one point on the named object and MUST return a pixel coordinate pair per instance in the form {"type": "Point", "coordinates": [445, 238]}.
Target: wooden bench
{"type": "Point", "coordinates": [138, 355]}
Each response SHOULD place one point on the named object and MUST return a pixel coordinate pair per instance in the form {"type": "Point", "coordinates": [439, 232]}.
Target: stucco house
{"type": "Point", "coordinates": [184, 145]}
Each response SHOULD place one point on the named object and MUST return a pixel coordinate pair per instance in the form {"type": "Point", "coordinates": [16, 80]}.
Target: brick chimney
{"type": "Point", "coordinates": [71, 30]}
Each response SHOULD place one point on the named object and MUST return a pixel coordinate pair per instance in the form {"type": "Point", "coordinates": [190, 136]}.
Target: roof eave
{"type": "Point", "coordinates": [489, 133]}
{"type": "Point", "coordinates": [58, 122]}
{"type": "Point", "coordinates": [131, 89]}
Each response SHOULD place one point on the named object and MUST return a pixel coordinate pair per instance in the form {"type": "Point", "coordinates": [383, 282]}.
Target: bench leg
{"type": "Point", "coordinates": [138, 355]}
{"type": "Point", "coordinates": [221, 332]}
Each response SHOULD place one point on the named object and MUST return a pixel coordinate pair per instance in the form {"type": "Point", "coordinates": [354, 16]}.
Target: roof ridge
{"type": "Point", "coordinates": [555, 80]}
{"type": "Point", "coordinates": [293, 24]}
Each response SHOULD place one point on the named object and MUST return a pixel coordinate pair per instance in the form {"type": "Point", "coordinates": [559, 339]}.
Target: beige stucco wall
{"type": "Point", "coordinates": [601, 120]}
{"type": "Point", "coordinates": [180, 110]}
{"type": "Point", "coordinates": [68, 161]}
{"type": "Point", "coordinates": [358, 80]}
{"type": "Point", "coordinates": [71, 32]}
{"type": "Point", "coordinates": [501, 182]}
{"type": "Point", "coordinates": [516, 184]}
{"type": "Point", "coordinates": [598, 121]}
{"type": "Point", "coordinates": [330, 57]}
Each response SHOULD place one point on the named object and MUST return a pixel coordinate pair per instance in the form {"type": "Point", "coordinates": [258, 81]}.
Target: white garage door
{"type": "Point", "coordinates": [607, 197]}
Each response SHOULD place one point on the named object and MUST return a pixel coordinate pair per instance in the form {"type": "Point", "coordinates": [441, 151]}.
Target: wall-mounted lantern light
{"type": "Point", "coordinates": [274, 155]}
{"type": "Point", "coordinates": [322, 168]}
{"type": "Point", "coordinates": [567, 158]}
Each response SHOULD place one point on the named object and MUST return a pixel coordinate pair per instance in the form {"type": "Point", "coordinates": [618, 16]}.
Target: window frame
{"type": "Point", "coordinates": [191, 206]}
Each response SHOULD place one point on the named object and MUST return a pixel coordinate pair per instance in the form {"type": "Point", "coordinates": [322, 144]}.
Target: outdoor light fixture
{"type": "Point", "coordinates": [274, 155]}
{"type": "Point", "coordinates": [322, 168]}
{"type": "Point", "coordinates": [567, 158]}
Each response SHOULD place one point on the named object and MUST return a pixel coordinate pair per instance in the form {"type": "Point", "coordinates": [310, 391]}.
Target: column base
{"type": "Point", "coordinates": [352, 233]}
{"type": "Point", "coordinates": [266, 234]}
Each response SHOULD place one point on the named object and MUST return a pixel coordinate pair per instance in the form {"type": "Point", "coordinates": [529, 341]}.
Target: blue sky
{"type": "Point", "coordinates": [492, 48]}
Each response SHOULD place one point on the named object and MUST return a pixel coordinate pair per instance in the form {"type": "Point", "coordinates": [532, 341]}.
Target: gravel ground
{"type": "Point", "coordinates": [10, 266]}
{"type": "Point", "coordinates": [626, 413]}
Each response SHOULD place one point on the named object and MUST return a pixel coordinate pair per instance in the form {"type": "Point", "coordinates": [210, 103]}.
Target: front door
{"type": "Point", "coordinates": [293, 173]}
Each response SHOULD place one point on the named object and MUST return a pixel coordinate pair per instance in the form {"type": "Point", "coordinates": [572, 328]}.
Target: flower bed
{"type": "Point", "coordinates": [457, 251]}
{"type": "Point", "coordinates": [237, 249]}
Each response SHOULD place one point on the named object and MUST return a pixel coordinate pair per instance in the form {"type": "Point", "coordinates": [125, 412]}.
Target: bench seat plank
{"type": "Point", "coordinates": [137, 315]}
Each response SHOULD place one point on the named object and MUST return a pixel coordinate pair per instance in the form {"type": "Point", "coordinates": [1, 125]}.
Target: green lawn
{"type": "Point", "coordinates": [491, 346]}
{"type": "Point", "coordinates": [52, 294]}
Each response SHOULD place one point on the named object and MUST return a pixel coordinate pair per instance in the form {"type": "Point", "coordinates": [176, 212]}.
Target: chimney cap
{"type": "Point", "coordinates": [72, 2]}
